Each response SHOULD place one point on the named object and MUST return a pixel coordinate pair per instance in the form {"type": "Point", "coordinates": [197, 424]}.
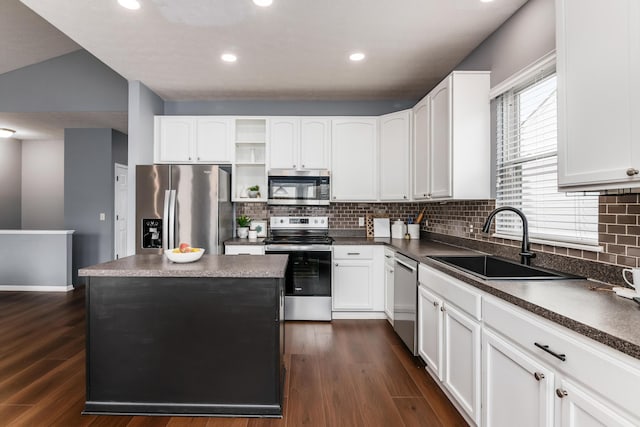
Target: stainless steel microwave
{"type": "Point", "coordinates": [292, 187]}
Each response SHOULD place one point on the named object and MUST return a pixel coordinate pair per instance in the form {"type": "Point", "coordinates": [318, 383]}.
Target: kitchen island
{"type": "Point", "coordinates": [203, 338]}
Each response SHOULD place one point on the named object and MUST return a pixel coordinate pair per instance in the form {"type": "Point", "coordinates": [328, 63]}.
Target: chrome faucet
{"type": "Point", "coordinates": [525, 252]}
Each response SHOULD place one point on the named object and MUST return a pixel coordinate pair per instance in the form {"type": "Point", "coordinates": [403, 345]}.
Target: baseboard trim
{"type": "Point", "coordinates": [37, 288]}
{"type": "Point", "coordinates": [358, 315]}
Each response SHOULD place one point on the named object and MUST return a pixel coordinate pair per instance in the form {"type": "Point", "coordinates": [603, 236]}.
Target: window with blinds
{"type": "Point", "coordinates": [526, 173]}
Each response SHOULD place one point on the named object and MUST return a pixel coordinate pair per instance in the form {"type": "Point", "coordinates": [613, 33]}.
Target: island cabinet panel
{"type": "Point", "coordinates": [185, 345]}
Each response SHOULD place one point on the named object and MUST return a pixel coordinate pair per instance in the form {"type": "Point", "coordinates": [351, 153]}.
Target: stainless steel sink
{"type": "Point", "coordinates": [494, 268]}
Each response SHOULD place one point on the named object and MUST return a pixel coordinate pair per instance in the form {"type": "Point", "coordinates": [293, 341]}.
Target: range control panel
{"type": "Point", "coordinates": [299, 222]}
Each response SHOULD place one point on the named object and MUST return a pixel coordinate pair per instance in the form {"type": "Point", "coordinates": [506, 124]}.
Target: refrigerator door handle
{"type": "Point", "coordinates": [165, 222]}
{"type": "Point", "coordinates": [172, 219]}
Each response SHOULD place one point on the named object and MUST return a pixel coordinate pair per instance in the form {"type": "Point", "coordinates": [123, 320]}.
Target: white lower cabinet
{"type": "Point", "coordinates": [449, 337]}
{"type": "Point", "coordinates": [358, 280]}
{"type": "Point", "coordinates": [430, 330]}
{"type": "Point", "coordinates": [244, 249]}
{"type": "Point", "coordinates": [461, 359]}
{"type": "Point", "coordinates": [580, 407]}
{"type": "Point", "coordinates": [517, 390]}
{"type": "Point", "coordinates": [593, 385]}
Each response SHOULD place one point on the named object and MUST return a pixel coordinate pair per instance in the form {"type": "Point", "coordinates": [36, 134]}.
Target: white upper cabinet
{"type": "Point", "coordinates": [395, 144]}
{"type": "Point", "coordinates": [354, 159]}
{"type": "Point", "coordinates": [299, 143]}
{"type": "Point", "coordinates": [188, 139]}
{"type": "Point", "coordinates": [420, 148]}
{"type": "Point", "coordinates": [440, 175]}
{"type": "Point", "coordinates": [283, 142]}
{"type": "Point", "coordinates": [598, 68]}
{"type": "Point", "coordinates": [451, 139]}
{"type": "Point", "coordinates": [214, 139]}
{"type": "Point", "coordinates": [315, 143]}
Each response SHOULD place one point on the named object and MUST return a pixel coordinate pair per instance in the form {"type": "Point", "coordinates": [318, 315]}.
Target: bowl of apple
{"type": "Point", "coordinates": [184, 253]}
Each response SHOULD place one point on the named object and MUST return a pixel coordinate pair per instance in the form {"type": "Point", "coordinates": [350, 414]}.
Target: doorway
{"type": "Point", "coordinates": [121, 186]}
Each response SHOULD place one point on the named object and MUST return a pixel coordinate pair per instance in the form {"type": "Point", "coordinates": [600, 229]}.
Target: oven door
{"type": "Point", "coordinates": [308, 272]}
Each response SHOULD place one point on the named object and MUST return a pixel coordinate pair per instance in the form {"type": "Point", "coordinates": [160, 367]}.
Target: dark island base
{"type": "Point", "coordinates": [185, 346]}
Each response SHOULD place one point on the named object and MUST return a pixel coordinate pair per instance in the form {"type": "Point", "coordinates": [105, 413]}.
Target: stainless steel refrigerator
{"type": "Point", "coordinates": [182, 203]}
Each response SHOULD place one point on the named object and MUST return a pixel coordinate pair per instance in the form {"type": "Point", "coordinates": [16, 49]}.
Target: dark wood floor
{"type": "Point", "coordinates": [343, 373]}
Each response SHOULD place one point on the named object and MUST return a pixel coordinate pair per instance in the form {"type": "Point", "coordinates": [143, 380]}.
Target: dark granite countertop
{"type": "Point", "coordinates": [584, 306]}
{"type": "Point", "coordinates": [238, 241]}
{"type": "Point", "coordinates": [238, 266]}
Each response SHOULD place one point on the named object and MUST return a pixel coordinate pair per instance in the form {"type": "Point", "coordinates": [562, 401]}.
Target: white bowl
{"type": "Point", "coordinates": [184, 257]}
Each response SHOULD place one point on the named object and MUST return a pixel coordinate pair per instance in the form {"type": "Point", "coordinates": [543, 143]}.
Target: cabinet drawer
{"type": "Point", "coordinates": [244, 250]}
{"type": "Point", "coordinates": [353, 252]}
{"type": "Point", "coordinates": [613, 374]}
{"type": "Point", "coordinates": [453, 290]}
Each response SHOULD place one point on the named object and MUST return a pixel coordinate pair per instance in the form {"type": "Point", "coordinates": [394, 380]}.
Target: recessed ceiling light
{"type": "Point", "coordinates": [263, 3]}
{"type": "Point", "coordinates": [486, 1]}
{"type": "Point", "coordinates": [6, 133]}
{"type": "Point", "coordinates": [130, 4]}
{"type": "Point", "coordinates": [229, 57]}
{"type": "Point", "coordinates": [356, 56]}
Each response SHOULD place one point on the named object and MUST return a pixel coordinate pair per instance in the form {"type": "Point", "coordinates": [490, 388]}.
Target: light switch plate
{"type": "Point", "coordinates": [102, 216]}
{"type": "Point", "coordinates": [361, 221]}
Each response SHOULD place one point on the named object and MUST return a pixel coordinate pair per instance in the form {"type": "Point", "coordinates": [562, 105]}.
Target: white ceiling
{"type": "Point", "coordinates": [296, 49]}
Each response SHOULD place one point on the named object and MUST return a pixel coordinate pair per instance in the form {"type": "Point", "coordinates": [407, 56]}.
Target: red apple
{"type": "Point", "coordinates": [184, 247]}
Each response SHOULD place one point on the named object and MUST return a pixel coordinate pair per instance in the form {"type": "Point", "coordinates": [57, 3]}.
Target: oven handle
{"type": "Point", "coordinates": [297, 248]}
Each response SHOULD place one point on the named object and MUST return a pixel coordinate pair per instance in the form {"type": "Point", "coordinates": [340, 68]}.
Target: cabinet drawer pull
{"type": "Point", "coordinates": [562, 357]}
{"type": "Point", "coordinates": [297, 289]}
{"type": "Point", "coordinates": [388, 256]}
{"type": "Point", "coordinates": [353, 253]}
{"type": "Point", "coordinates": [337, 264]}
{"type": "Point", "coordinates": [294, 166]}
{"type": "Point", "coordinates": [632, 171]}
{"type": "Point", "coordinates": [538, 376]}
{"type": "Point", "coordinates": [561, 393]}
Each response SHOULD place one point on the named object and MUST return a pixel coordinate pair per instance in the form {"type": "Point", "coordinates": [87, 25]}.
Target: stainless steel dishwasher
{"type": "Point", "coordinates": [405, 301]}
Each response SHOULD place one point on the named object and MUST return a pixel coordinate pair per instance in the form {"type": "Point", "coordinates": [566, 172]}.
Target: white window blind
{"type": "Point", "coordinates": [526, 173]}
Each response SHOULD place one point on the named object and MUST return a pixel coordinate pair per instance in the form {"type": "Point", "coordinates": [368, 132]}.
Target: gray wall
{"type": "Point", "coordinates": [43, 185]}
{"type": "Point", "coordinates": [522, 40]}
{"type": "Point", "coordinates": [286, 108]}
{"type": "Point", "coordinates": [88, 187]}
{"type": "Point", "coordinates": [526, 37]}
{"type": "Point", "coordinates": [143, 105]}
{"type": "Point", "coordinates": [10, 183]}
{"type": "Point", "coordinates": [76, 81]}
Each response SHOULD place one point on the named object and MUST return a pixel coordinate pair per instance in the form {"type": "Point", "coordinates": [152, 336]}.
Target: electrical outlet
{"type": "Point", "coordinates": [361, 221]}
{"type": "Point", "coordinates": [470, 228]}
{"type": "Point", "coordinates": [103, 217]}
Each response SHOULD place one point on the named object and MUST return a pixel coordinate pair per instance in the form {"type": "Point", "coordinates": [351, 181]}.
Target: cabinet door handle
{"type": "Point", "coordinates": [353, 253]}
{"type": "Point", "coordinates": [561, 393]}
{"type": "Point", "coordinates": [632, 171]}
{"type": "Point", "coordinates": [303, 166]}
{"type": "Point", "coordinates": [387, 256]}
{"type": "Point", "coordinates": [294, 166]}
{"type": "Point", "coordinates": [442, 309]}
{"type": "Point", "coordinates": [538, 376]}
{"type": "Point", "coordinates": [546, 348]}
{"type": "Point", "coordinates": [435, 303]}
{"type": "Point", "coordinates": [198, 158]}
{"type": "Point", "coordinates": [404, 197]}
{"type": "Point", "coordinates": [337, 264]}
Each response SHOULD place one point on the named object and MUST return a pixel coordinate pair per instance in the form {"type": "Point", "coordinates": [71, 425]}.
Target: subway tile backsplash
{"type": "Point", "coordinates": [619, 229]}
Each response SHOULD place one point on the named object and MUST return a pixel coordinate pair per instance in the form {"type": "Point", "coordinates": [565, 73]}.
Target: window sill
{"type": "Point", "coordinates": [569, 245]}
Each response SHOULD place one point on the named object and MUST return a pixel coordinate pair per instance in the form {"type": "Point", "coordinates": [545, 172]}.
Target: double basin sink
{"type": "Point", "coordinates": [491, 267]}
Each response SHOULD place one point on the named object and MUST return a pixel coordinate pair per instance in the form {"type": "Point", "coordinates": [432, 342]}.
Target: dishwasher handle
{"type": "Point", "coordinates": [405, 265]}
